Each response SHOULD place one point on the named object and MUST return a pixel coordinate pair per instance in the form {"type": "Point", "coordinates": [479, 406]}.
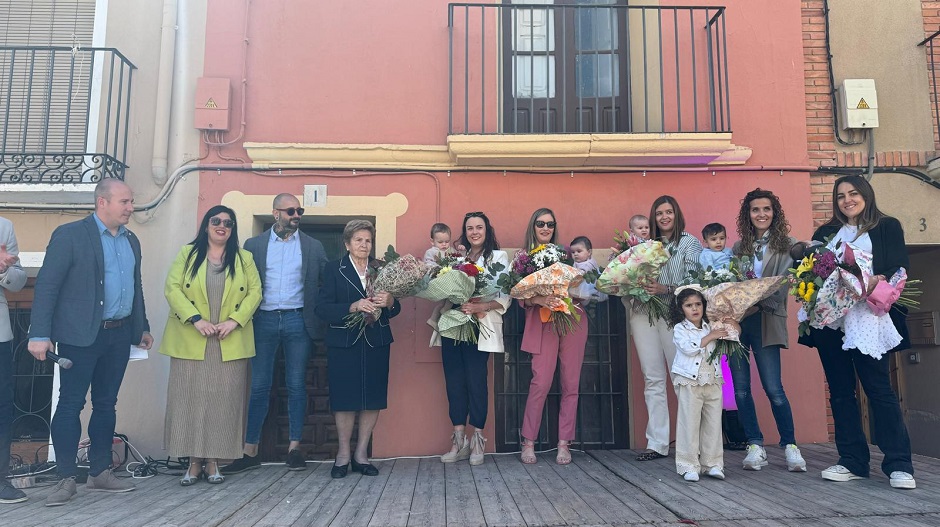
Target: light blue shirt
{"type": "Point", "coordinates": [119, 265]}
{"type": "Point", "coordinates": [715, 259]}
{"type": "Point", "coordinates": [283, 274]}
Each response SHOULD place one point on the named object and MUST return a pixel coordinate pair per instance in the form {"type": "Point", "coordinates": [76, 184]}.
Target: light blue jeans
{"type": "Point", "coordinates": [274, 328]}
{"type": "Point", "coordinates": [768, 367]}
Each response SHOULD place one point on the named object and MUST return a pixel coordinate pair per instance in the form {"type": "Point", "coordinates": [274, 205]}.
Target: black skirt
{"type": "Point", "coordinates": [358, 377]}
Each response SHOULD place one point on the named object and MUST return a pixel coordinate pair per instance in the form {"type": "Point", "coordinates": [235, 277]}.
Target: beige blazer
{"type": "Point", "coordinates": [13, 279]}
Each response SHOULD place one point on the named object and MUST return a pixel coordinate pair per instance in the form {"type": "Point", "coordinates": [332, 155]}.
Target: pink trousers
{"type": "Point", "coordinates": [569, 350]}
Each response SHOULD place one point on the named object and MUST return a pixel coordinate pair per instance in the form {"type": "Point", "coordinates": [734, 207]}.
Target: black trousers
{"type": "Point", "coordinates": [6, 406]}
{"type": "Point", "coordinates": [465, 372]}
{"type": "Point", "coordinates": [842, 367]}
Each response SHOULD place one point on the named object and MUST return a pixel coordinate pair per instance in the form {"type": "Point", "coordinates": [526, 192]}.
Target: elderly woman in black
{"type": "Point", "coordinates": [357, 363]}
{"type": "Point", "coordinates": [857, 220]}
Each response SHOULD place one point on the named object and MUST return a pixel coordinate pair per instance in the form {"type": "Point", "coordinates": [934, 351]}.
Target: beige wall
{"type": "Point", "coordinates": [134, 28]}
{"type": "Point", "coordinates": [875, 39]}
{"type": "Point", "coordinates": [914, 203]}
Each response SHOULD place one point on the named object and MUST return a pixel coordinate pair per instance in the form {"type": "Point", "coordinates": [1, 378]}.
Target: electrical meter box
{"type": "Point", "coordinates": [213, 103]}
{"type": "Point", "coordinates": [859, 104]}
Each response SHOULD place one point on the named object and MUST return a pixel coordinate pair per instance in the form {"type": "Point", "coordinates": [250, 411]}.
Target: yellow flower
{"type": "Point", "coordinates": [810, 290]}
{"type": "Point", "coordinates": [479, 268]}
{"type": "Point", "coordinates": [806, 265]}
{"type": "Point", "coordinates": [443, 270]}
{"type": "Point", "coordinates": [801, 290]}
{"type": "Point", "coordinates": [537, 249]}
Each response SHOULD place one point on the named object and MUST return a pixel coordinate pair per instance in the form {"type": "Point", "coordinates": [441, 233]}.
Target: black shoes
{"type": "Point", "coordinates": [295, 460]}
{"type": "Point", "coordinates": [366, 469]}
{"type": "Point", "coordinates": [240, 465]}
{"type": "Point", "coordinates": [11, 494]}
{"type": "Point", "coordinates": [339, 472]}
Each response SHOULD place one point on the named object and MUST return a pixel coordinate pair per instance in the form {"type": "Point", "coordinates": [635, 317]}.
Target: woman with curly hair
{"type": "Point", "coordinates": [765, 239]}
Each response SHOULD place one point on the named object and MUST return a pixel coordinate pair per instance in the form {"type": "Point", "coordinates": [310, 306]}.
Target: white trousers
{"type": "Point", "coordinates": [656, 351]}
{"type": "Point", "coordinates": [698, 429]}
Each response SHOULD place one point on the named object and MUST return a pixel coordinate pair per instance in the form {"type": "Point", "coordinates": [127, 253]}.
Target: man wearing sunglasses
{"type": "Point", "coordinates": [290, 263]}
{"type": "Point", "coordinates": [89, 300]}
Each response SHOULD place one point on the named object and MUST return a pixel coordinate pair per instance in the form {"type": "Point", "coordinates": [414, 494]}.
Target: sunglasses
{"type": "Point", "coordinates": [215, 222]}
{"type": "Point", "coordinates": [291, 210]}
{"type": "Point", "coordinates": [543, 224]}
{"type": "Point", "coordinates": [477, 214]}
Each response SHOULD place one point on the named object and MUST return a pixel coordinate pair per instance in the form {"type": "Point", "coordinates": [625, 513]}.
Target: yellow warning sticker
{"type": "Point", "coordinates": [862, 105]}
{"type": "Point", "coordinates": [211, 103]}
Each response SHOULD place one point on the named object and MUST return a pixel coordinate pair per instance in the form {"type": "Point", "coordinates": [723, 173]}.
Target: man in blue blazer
{"type": "Point", "coordinates": [290, 263]}
{"type": "Point", "coordinates": [89, 300]}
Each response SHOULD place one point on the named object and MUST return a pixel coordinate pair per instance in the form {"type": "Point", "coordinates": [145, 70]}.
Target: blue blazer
{"type": "Point", "coordinates": [68, 304]}
{"type": "Point", "coordinates": [339, 288]}
{"type": "Point", "coordinates": [314, 259]}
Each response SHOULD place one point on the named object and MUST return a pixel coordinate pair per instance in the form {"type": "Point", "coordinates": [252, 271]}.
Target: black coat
{"type": "Point", "coordinates": [339, 288]}
{"type": "Point", "coordinates": [889, 253]}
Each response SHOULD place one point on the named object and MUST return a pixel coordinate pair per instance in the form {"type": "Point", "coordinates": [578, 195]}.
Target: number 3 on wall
{"type": "Point", "coordinates": [923, 224]}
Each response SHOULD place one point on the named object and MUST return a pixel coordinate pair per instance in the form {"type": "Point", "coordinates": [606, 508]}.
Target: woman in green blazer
{"type": "Point", "coordinates": [213, 289]}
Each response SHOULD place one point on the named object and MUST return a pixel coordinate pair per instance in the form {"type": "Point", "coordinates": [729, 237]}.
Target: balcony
{"type": "Point", "coordinates": [589, 85]}
{"type": "Point", "coordinates": [64, 114]}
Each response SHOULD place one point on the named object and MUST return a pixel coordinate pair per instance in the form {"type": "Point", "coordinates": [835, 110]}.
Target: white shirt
{"type": "Point", "coordinates": [849, 234]}
{"type": "Point", "coordinates": [283, 275]}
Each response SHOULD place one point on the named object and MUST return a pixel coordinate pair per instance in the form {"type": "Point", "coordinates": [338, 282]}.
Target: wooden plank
{"type": "Point", "coordinates": [648, 509]}
{"type": "Point", "coordinates": [572, 508]}
{"type": "Point", "coordinates": [428, 505]}
{"type": "Point", "coordinates": [604, 504]}
{"type": "Point", "coordinates": [499, 508]}
{"type": "Point", "coordinates": [314, 510]}
{"type": "Point", "coordinates": [360, 505]}
{"type": "Point", "coordinates": [460, 494]}
{"type": "Point", "coordinates": [288, 496]}
{"type": "Point", "coordinates": [215, 503]}
{"type": "Point", "coordinates": [86, 505]}
{"type": "Point", "coordinates": [534, 505]}
{"type": "Point", "coordinates": [394, 506]}
{"type": "Point", "coordinates": [156, 490]}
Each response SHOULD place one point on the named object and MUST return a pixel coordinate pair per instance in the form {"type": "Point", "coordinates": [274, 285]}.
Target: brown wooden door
{"type": "Point", "coordinates": [566, 68]}
{"type": "Point", "coordinates": [603, 420]}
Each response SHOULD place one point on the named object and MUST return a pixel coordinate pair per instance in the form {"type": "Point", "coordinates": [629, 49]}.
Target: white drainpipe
{"type": "Point", "coordinates": [161, 136]}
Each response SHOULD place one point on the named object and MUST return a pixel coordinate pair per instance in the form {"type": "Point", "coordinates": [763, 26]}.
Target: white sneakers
{"type": "Point", "coordinates": [795, 461]}
{"type": "Point", "coordinates": [690, 476]}
{"type": "Point", "coordinates": [839, 473]}
{"type": "Point", "coordinates": [756, 457]}
{"type": "Point", "coordinates": [902, 480]}
{"type": "Point", "coordinates": [716, 472]}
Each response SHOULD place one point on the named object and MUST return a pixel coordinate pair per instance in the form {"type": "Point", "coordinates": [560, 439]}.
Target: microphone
{"type": "Point", "coordinates": [61, 361]}
{"type": "Point", "coordinates": [801, 250]}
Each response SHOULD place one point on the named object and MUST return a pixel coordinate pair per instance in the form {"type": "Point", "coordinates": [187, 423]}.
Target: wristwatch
{"type": "Point", "coordinates": [195, 318]}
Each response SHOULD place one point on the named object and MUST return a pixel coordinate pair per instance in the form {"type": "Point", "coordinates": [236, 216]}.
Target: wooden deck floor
{"type": "Point", "coordinates": [599, 488]}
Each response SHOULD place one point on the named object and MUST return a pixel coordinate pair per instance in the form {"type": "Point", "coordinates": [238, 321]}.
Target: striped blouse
{"type": "Point", "coordinates": [684, 258]}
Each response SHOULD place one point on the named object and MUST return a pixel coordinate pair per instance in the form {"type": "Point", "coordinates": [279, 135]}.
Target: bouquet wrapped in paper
{"type": "Point", "coordinates": [730, 300]}
{"type": "Point", "coordinates": [458, 283]}
{"type": "Point", "coordinates": [546, 271]}
{"type": "Point", "coordinates": [399, 276]}
{"type": "Point", "coordinates": [631, 270]}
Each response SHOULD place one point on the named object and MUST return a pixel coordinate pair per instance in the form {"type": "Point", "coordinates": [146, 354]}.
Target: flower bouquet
{"type": "Point", "coordinates": [458, 281]}
{"type": "Point", "coordinates": [731, 300]}
{"type": "Point", "coordinates": [400, 276]}
{"type": "Point", "coordinates": [623, 240]}
{"type": "Point", "coordinates": [626, 275]}
{"type": "Point", "coordinates": [833, 291]}
{"type": "Point", "coordinates": [546, 271]}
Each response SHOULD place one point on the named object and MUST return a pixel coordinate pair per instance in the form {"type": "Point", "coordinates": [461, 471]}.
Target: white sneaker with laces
{"type": "Point", "coordinates": [756, 457]}
{"type": "Point", "coordinates": [690, 476]}
{"type": "Point", "coordinates": [716, 472]}
{"type": "Point", "coordinates": [795, 461]}
{"type": "Point", "coordinates": [839, 473]}
{"type": "Point", "coordinates": [902, 480]}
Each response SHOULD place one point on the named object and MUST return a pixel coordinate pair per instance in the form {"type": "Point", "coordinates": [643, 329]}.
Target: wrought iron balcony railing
{"type": "Point", "coordinates": [587, 68]}
{"type": "Point", "coordinates": [64, 114]}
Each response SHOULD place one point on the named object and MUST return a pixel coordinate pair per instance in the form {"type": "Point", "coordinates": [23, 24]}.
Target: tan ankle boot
{"type": "Point", "coordinates": [460, 449]}
{"type": "Point", "coordinates": [477, 447]}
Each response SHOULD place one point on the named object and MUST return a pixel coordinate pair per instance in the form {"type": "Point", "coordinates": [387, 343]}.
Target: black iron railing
{"type": "Point", "coordinates": [32, 383]}
{"type": "Point", "coordinates": [587, 68]}
{"type": "Point", "coordinates": [64, 114]}
{"type": "Point", "coordinates": [933, 63]}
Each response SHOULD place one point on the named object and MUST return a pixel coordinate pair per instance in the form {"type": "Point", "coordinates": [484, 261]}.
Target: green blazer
{"type": "Point", "coordinates": [187, 297]}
